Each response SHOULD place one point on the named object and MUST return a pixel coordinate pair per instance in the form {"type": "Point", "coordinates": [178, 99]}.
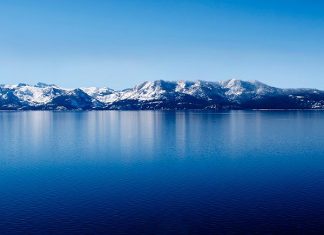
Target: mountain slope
{"type": "Point", "coordinates": [230, 94]}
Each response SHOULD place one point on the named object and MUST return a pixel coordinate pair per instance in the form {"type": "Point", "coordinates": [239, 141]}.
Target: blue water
{"type": "Point", "coordinates": [162, 172]}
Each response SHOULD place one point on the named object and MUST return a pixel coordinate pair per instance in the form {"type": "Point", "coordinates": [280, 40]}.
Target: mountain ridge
{"type": "Point", "coordinates": [160, 94]}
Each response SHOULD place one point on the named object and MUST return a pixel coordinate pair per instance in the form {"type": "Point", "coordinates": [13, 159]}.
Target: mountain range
{"type": "Point", "coordinates": [160, 94]}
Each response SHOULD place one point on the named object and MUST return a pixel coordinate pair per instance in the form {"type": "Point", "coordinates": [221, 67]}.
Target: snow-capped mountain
{"type": "Point", "coordinates": [230, 94]}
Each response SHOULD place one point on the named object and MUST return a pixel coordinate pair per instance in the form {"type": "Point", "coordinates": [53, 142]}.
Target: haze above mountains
{"type": "Point", "coordinates": [160, 94]}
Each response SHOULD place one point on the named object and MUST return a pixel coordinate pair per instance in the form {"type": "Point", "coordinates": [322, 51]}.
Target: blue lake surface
{"type": "Point", "coordinates": [147, 172]}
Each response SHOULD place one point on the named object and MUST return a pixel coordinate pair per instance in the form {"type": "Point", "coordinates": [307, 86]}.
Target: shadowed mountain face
{"type": "Point", "coordinates": [231, 94]}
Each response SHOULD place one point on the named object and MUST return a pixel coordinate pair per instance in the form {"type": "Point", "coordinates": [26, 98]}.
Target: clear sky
{"type": "Point", "coordinates": [119, 43]}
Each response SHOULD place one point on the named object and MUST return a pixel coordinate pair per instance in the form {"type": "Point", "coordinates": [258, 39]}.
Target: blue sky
{"type": "Point", "coordinates": [119, 43]}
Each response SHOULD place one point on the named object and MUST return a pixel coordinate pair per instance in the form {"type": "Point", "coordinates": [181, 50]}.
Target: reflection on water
{"type": "Point", "coordinates": [133, 136]}
{"type": "Point", "coordinates": [153, 172]}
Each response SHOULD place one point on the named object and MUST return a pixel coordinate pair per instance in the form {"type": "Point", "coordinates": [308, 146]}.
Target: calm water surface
{"type": "Point", "coordinates": [162, 172]}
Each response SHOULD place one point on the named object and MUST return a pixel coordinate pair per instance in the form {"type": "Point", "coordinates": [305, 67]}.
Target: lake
{"type": "Point", "coordinates": [162, 172]}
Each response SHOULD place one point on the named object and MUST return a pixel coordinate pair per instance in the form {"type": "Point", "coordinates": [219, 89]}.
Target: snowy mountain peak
{"type": "Point", "coordinates": [156, 85]}
{"type": "Point", "coordinates": [182, 85]}
{"type": "Point", "coordinates": [22, 85]}
{"type": "Point", "coordinates": [161, 94]}
{"type": "Point", "coordinates": [237, 87]}
{"type": "Point", "coordinates": [44, 85]}
{"type": "Point", "coordinates": [95, 91]}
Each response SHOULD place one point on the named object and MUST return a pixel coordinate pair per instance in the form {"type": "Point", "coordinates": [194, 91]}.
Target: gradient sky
{"type": "Point", "coordinates": [119, 43]}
